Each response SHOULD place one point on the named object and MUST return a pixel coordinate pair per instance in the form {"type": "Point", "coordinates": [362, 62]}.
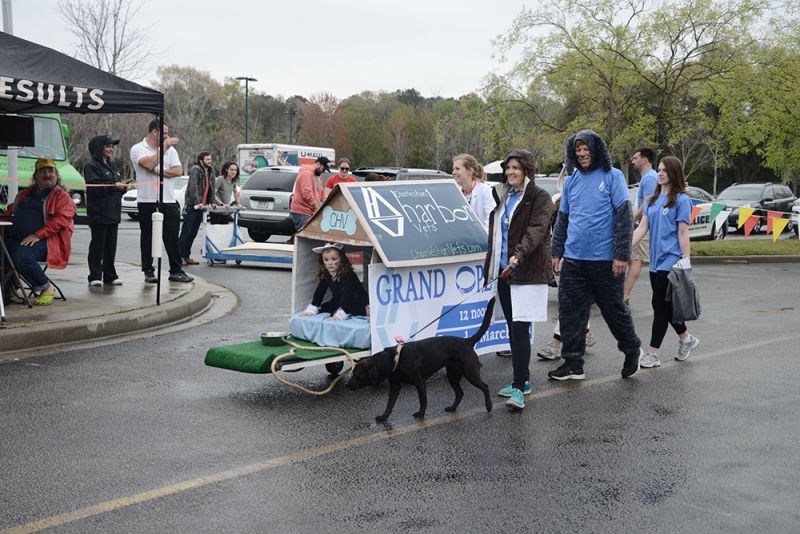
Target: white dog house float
{"type": "Point", "coordinates": [417, 248]}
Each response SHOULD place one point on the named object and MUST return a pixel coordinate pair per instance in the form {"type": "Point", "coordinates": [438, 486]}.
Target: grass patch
{"type": "Point", "coordinates": [747, 247]}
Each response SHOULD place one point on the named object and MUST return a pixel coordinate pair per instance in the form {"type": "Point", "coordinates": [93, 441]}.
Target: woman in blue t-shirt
{"type": "Point", "coordinates": [667, 216]}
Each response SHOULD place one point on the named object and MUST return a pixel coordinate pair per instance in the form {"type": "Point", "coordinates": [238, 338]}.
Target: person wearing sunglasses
{"type": "Point", "coordinates": [343, 176]}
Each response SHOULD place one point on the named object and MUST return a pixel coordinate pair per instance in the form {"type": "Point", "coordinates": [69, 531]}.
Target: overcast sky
{"type": "Point", "coordinates": [439, 47]}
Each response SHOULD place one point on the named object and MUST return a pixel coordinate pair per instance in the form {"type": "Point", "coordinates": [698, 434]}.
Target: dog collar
{"type": "Point", "coordinates": [397, 357]}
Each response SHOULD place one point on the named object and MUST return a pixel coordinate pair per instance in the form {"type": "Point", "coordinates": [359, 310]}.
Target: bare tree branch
{"type": "Point", "coordinates": [104, 36]}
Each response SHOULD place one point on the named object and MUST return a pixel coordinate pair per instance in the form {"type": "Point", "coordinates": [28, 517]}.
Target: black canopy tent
{"type": "Point", "coordinates": [37, 79]}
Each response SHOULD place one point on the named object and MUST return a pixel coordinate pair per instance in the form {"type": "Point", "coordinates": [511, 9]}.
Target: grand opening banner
{"type": "Point", "coordinates": [404, 299]}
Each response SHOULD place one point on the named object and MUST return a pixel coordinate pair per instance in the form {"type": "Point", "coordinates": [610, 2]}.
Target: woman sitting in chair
{"type": "Point", "coordinates": [42, 229]}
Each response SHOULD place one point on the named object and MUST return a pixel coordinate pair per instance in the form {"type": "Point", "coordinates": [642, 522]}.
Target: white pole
{"type": "Point", "coordinates": [158, 224]}
{"type": "Point", "coordinates": [13, 172]}
{"type": "Point", "coordinates": [8, 22]}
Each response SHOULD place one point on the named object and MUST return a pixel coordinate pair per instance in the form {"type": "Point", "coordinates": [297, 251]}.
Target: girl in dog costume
{"type": "Point", "coordinates": [335, 272]}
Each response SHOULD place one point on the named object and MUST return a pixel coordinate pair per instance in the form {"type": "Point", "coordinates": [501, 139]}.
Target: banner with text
{"type": "Point", "coordinates": [404, 299]}
{"type": "Point", "coordinates": [420, 221]}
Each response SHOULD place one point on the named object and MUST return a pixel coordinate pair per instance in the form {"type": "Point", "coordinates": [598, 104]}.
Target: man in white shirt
{"type": "Point", "coordinates": [145, 160]}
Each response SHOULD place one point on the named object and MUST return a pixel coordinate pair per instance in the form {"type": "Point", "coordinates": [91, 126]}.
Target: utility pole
{"type": "Point", "coordinates": [247, 81]}
{"type": "Point", "coordinates": [292, 112]}
{"type": "Point", "coordinates": [13, 185]}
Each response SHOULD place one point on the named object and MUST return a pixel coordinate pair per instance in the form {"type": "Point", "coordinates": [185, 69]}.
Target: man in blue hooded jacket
{"type": "Point", "coordinates": [593, 236]}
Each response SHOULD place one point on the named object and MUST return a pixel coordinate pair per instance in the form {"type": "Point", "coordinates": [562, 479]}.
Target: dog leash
{"type": "Point", "coordinates": [507, 272]}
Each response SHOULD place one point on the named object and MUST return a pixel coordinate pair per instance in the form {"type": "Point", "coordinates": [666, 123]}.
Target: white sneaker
{"type": "Point", "coordinates": [590, 341]}
{"type": "Point", "coordinates": [95, 283]}
{"type": "Point", "coordinates": [685, 348]}
{"type": "Point", "coordinates": [550, 351]}
{"type": "Point", "coordinates": [649, 359]}
{"type": "Point", "coordinates": [114, 282]}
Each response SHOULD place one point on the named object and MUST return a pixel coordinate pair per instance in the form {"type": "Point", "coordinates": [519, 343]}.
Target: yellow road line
{"type": "Point", "coordinates": [300, 456]}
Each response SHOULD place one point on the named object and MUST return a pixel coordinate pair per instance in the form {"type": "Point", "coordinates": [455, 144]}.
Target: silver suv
{"type": "Point", "coordinates": [266, 195]}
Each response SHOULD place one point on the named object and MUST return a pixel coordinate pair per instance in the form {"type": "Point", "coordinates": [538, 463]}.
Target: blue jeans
{"type": "Point", "coordinates": [299, 220]}
{"type": "Point", "coordinates": [581, 281]}
{"type": "Point", "coordinates": [26, 260]}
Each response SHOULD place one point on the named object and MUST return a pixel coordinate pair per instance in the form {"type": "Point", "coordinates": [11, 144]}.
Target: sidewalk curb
{"type": "Point", "coordinates": [125, 322]}
{"type": "Point", "coordinates": [722, 260]}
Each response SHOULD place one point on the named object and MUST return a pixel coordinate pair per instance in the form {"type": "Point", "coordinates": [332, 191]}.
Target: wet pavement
{"type": "Point", "coordinates": [92, 313]}
{"type": "Point", "coordinates": [140, 436]}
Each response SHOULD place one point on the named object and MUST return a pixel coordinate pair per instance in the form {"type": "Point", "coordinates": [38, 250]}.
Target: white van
{"type": "Point", "coordinates": [256, 156]}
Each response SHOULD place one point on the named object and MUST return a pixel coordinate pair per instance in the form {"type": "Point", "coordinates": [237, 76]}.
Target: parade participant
{"type": "Point", "coordinates": [103, 209]}
{"type": "Point", "coordinates": [226, 187]}
{"type": "Point", "coordinates": [552, 351]}
{"type": "Point", "coordinates": [226, 194]}
{"type": "Point", "coordinates": [642, 161]}
{"type": "Point", "coordinates": [519, 243]}
{"type": "Point", "coordinates": [335, 272]}
{"type": "Point", "coordinates": [145, 160]}
{"type": "Point", "coordinates": [344, 168]}
{"type": "Point", "coordinates": [592, 234]}
{"type": "Point", "coordinates": [308, 193]}
{"type": "Point", "coordinates": [667, 216]}
{"type": "Point", "coordinates": [468, 173]}
{"type": "Point", "coordinates": [199, 195]}
{"type": "Point", "coordinates": [41, 230]}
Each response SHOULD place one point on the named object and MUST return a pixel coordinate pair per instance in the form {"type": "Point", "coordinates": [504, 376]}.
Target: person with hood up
{"type": "Point", "coordinates": [103, 208]}
{"type": "Point", "coordinates": [592, 234]}
{"type": "Point", "coordinates": [519, 251]}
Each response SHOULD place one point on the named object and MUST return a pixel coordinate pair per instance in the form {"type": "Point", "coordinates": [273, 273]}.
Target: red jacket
{"type": "Point", "coordinates": [58, 224]}
{"type": "Point", "coordinates": [308, 192]}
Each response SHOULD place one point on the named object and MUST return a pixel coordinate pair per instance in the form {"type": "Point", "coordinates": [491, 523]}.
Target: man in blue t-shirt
{"type": "Point", "coordinates": [593, 236]}
{"type": "Point", "coordinates": [642, 161]}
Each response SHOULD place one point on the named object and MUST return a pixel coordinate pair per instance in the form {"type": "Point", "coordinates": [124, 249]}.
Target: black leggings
{"type": "Point", "coordinates": [520, 338]}
{"type": "Point", "coordinates": [662, 310]}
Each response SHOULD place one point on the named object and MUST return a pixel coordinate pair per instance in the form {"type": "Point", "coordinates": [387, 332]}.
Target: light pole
{"type": "Point", "coordinates": [247, 81]}
{"type": "Point", "coordinates": [291, 114]}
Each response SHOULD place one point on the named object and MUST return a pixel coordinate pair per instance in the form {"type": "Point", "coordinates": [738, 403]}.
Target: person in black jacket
{"type": "Point", "coordinates": [103, 207]}
{"type": "Point", "coordinates": [199, 195]}
{"type": "Point", "coordinates": [335, 272]}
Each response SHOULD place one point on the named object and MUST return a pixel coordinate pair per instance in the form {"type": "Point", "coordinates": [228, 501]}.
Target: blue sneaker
{"type": "Point", "coordinates": [516, 400]}
{"type": "Point", "coordinates": [506, 391]}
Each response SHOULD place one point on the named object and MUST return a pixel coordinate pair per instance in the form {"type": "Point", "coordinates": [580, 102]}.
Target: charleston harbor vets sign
{"type": "Point", "coordinates": [419, 222]}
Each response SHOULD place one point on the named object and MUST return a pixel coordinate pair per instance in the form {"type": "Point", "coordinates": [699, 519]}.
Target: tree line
{"type": "Point", "coordinates": [716, 83]}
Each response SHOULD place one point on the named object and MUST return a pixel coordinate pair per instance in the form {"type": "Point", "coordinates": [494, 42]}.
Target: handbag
{"type": "Point", "coordinates": [682, 292]}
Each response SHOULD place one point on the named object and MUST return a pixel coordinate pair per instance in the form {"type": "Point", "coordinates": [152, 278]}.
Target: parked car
{"type": "Point", "coordinates": [401, 173]}
{"type": "Point", "coordinates": [550, 185]}
{"type": "Point", "coordinates": [129, 198]}
{"type": "Point", "coordinates": [763, 196]}
{"type": "Point", "coordinates": [265, 197]}
{"type": "Point", "coordinates": [703, 228]}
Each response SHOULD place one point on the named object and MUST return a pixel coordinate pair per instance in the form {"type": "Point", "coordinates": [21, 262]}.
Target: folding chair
{"type": "Point", "coordinates": [31, 296]}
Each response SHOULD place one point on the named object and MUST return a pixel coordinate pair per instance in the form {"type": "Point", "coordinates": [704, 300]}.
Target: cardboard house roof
{"type": "Point", "coordinates": [416, 222]}
{"type": "Point", "coordinates": [37, 79]}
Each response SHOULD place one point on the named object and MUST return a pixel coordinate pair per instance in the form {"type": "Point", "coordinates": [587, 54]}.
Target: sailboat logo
{"type": "Point", "coordinates": [382, 214]}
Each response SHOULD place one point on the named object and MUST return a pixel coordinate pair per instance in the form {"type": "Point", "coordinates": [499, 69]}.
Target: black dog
{"type": "Point", "coordinates": [415, 361]}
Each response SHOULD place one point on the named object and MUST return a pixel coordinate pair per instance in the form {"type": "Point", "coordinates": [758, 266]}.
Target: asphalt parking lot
{"type": "Point", "coordinates": [141, 437]}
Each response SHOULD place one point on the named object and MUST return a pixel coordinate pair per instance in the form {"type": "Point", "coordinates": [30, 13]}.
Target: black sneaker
{"type": "Point", "coordinates": [504, 353]}
{"type": "Point", "coordinates": [631, 364]}
{"type": "Point", "coordinates": [567, 372]}
{"type": "Point", "coordinates": [180, 277]}
{"type": "Point", "coordinates": [150, 277]}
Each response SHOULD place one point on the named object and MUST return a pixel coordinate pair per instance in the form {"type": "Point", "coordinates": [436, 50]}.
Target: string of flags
{"type": "Point", "coordinates": [776, 223]}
